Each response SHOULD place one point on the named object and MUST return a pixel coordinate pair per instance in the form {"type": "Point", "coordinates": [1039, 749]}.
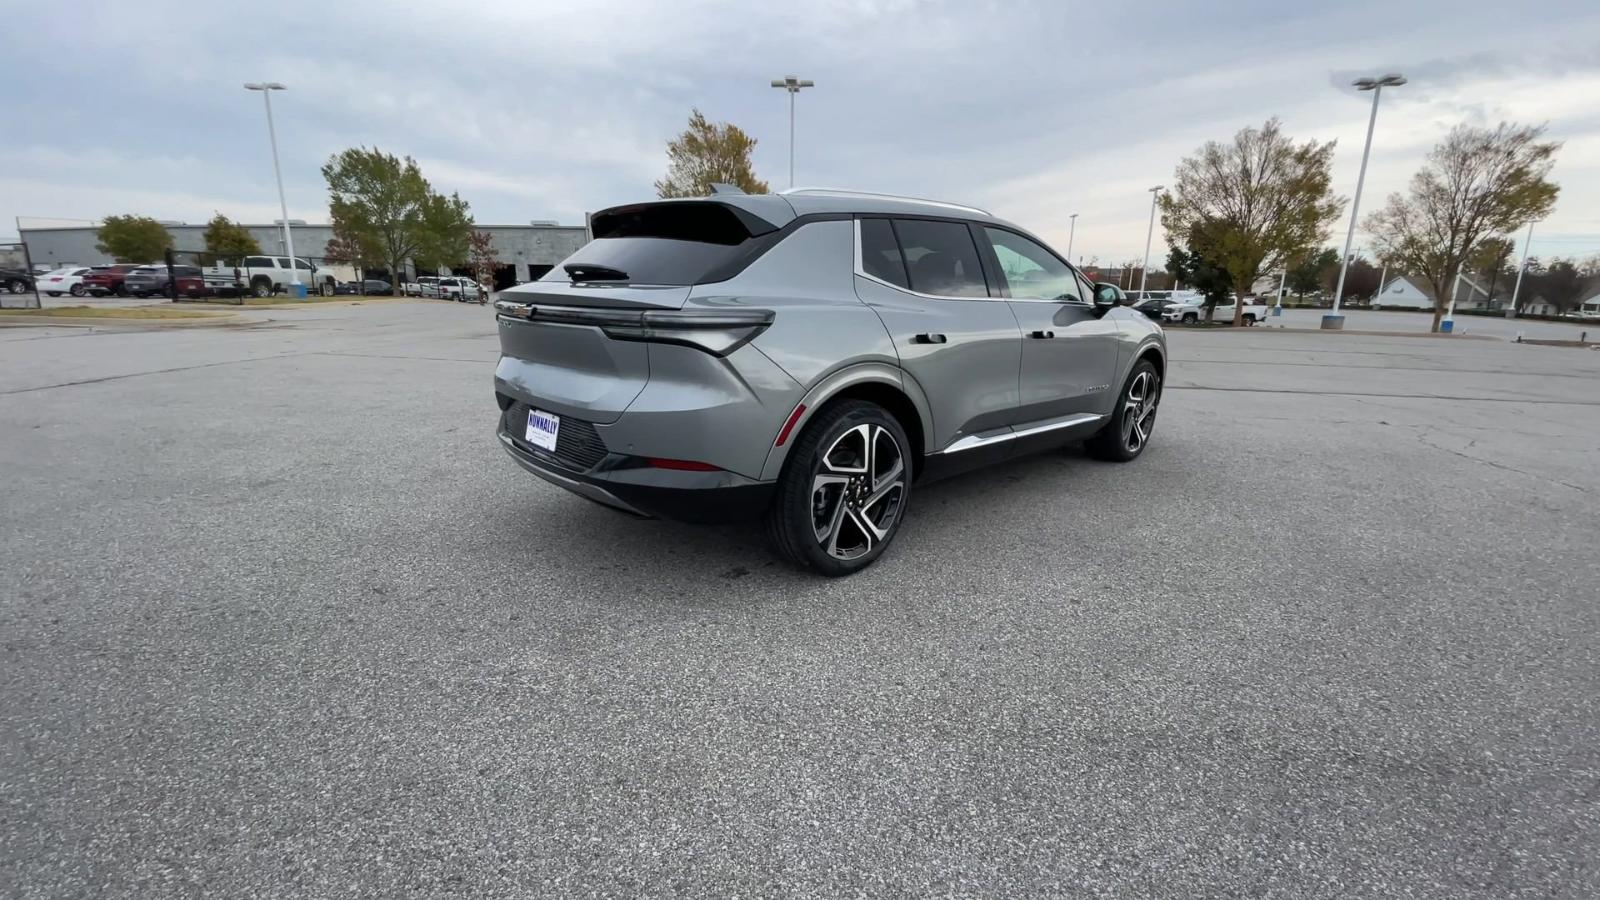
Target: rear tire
{"type": "Point", "coordinates": [844, 490]}
{"type": "Point", "coordinates": [261, 288]}
{"type": "Point", "coordinates": [1128, 432]}
{"type": "Point", "coordinates": [1249, 319]}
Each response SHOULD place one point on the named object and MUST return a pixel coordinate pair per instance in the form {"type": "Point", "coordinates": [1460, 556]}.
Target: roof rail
{"type": "Point", "coordinates": [827, 190]}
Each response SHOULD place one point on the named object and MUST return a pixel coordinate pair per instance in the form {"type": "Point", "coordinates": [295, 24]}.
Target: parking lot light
{"type": "Point", "coordinates": [266, 88]}
{"type": "Point", "coordinates": [1376, 86]}
{"type": "Point", "coordinates": [1144, 270]}
{"type": "Point", "coordinates": [1072, 232]}
{"type": "Point", "coordinates": [793, 86]}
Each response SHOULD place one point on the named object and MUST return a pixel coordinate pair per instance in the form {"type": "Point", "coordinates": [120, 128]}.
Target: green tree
{"type": "Point", "coordinates": [709, 153]}
{"type": "Point", "coordinates": [133, 239]}
{"type": "Point", "coordinates": [390, 213]}
{"type": "Point", "coordinates": [1205, 277]}
{"type": "Point", "coordinates": [227, 240]}
{"type": "Point", "coordinates": [1253, 203]}
{"type": "Point", "coordinates": [1480, 183]}
{"type": "Point", "coordinates": [1306, 275]}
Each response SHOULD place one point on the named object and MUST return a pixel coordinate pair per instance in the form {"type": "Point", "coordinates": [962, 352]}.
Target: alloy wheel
{"type": "Point", "coordinates": [857, 489]}
{"type": "Point", "coordinates": [1139, 411]}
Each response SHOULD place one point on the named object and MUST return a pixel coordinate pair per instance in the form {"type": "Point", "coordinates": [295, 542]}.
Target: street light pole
{"type": "Point", "coordinates": [1144, 270]}
{"type": "Point", "coordinates": [793, 86]}
{"type": "Point", "coordinates": [1376, 86]}
{"type": "Point", "coordinates": [1072, 232]}
{"type": "Point", "coordinates": [1526, 246]}
{"type": "Point", "coordinates": [266, 88]}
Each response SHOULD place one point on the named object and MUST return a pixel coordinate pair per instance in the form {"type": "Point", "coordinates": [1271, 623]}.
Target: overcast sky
{"type": "Point", "coordinates": [542, 110]}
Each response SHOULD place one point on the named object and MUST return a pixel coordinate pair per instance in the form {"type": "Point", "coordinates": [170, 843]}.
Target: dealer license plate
{"type": "Point", "coordinates": [542, 428]}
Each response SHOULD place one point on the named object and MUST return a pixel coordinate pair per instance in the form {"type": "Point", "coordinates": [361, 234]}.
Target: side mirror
{"type": "Point", "coordinates": [1107, 295]}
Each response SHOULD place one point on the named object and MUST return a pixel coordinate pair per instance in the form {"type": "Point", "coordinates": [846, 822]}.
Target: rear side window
{"type": "Point", "coordinates": [941, 258]}
{"type": "Point", "coordinates": [880, 253]}
{"type": "Point", "coordinates": [676, 243]}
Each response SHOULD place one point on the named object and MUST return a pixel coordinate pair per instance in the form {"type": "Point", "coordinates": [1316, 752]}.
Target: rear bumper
{"type": "Point", "coordinates": [619, 482]}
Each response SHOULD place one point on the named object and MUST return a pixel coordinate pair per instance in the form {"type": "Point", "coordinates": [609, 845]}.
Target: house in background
{"type": "Point", "coordinates": [1410, 292]}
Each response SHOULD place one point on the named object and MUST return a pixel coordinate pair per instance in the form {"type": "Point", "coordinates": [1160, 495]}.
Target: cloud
{"type": "Point", "coordinates": [540, 111]}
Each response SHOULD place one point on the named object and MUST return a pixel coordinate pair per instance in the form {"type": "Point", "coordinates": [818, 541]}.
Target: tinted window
{"type": "Point", "coordinates": [1031, 271]}
{"type": "Point", "coordinates": [283, 262]}
{"type": "Point", "coordinates": [302, 265]}
{"type": "Point", "coordinates": [258, 262]}
{"type": "Point", "coordinates": [676, 243]}
{"type": "Point", "coordinates": [940, 258]}
{"type": "Point", "coordinates": [880, 254]}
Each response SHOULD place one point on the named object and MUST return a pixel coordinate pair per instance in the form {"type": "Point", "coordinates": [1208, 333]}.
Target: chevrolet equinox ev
{"type": "Point", "coordinates": [807, 357]}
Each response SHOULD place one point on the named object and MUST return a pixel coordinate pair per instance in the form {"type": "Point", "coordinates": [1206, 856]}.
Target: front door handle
{"type": "Point", "coordinates": [1042, 334]}
{"type": "Point", "coordinates": [929, 338]}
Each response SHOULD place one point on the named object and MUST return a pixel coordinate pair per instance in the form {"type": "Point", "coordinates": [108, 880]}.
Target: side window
{"type": "Point", "coordinates": [940, 258]}
{"type": "Point", "coordinates": [302, 265]}
{"type": "Point", "coordinates": [257, 262]}
{"type": "Point", "coordinates": [880, 253]}
{"type": "Point", "coordinates": [283, 262]}
{"type": "Point", "coordinates": [1031, 271]}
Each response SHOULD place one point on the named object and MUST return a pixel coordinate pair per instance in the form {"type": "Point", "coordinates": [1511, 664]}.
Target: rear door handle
{"type": "Point", "coordinates": [1043, 334]}
{"type": "Point", "coordinates": [929, 338]}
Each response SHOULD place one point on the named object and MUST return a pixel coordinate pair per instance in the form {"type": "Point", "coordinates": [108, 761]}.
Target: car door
{"type": "Point", "coordinates": [924, 279]}
{"type": "Point", "coordinates": [1069, 348]}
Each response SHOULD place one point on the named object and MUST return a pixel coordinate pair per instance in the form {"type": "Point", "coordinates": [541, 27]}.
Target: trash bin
{"type": "Point", "coordinates": [297, 291]}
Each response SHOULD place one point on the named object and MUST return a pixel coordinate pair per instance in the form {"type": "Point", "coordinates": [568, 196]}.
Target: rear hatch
{"type": "Point", "coordinates": [555, 354]}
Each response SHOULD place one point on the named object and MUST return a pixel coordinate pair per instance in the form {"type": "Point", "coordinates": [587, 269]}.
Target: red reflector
{"type": "Point", "coordinates": [682, 465]}
{"type": "Point", "coordinates": [789, 425]}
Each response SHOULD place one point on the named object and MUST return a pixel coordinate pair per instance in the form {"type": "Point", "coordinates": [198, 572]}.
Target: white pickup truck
{"type": "Point", "coordinates": [264, 276]}
{"type": "Point", "coordinates": [1189, 308]}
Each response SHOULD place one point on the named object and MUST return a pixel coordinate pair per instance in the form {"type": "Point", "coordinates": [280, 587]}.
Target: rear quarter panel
{"type": "Point", "coordinates": [821, 330]}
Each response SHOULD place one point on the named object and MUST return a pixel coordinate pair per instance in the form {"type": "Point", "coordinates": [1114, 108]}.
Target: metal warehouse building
{"type": "Point", "coordinates": [525, 251]}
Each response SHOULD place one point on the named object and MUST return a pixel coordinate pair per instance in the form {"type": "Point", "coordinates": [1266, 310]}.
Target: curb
{"type": "Point", "coordinates": [103, 322]}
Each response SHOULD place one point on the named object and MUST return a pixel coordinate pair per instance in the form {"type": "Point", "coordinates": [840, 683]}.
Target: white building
{"type": "Point", "coordinates": [1409, 292]}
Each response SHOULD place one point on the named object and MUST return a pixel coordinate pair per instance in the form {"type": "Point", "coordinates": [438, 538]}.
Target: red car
{"type": "Point", "coordinates": [103, 280]}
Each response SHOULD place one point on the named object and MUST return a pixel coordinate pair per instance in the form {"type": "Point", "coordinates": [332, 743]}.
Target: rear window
{"type": "Point", "coordinates": [677, 243]}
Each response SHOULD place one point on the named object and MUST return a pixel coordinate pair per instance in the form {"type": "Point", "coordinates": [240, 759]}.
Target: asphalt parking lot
{"type": "Point", "coordinates": [279, 619]}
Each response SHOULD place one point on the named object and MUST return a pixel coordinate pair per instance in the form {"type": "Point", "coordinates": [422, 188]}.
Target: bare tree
{"type": "Point", "coordinates": [485, 258]}
{"type": "Point", "coordinates": [1479, 184]}
{"type": "Point", "coordinates": [1253, 203]}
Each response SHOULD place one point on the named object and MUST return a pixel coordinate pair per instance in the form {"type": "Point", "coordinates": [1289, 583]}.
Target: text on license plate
{"type": "Point", "coordinates": [542, 428]}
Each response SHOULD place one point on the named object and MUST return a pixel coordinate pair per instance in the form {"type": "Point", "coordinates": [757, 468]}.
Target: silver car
{"type": "Point", "coordinates": [807, 358]}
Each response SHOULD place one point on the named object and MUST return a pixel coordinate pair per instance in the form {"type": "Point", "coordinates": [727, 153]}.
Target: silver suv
{"type": "Point", "coordinates": [807, 357]}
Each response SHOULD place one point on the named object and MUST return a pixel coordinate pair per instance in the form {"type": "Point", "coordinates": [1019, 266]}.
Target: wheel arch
{"type": "Point", "coordinates": [887, 386]}
{"type": "Point", "coordinates": [1153, 351]}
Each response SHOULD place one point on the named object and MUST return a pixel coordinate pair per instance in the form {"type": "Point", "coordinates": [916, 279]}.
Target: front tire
{"type": "Point", "coordinates": [1190, 318]}
{"type": "Point", "coordinates": [1128, 433]}
{"type": "Point", "coordinates": [76, 290]}
{"type": "Point", "coordinates": [844, 490]}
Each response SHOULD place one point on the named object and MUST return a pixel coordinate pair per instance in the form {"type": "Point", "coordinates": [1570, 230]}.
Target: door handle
{"type": "Point", "coordinates": [1043, 334]}
{"type": "Point", "coordinates": [929, 338]}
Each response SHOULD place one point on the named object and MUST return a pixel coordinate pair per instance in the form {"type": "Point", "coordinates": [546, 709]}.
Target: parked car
{"type": "Point", "coordinates": [372, 287]}
{"type": "Point", "coordinates": [460, 289]}
{"type": "Point", "coordinates": [103, 280]}
{"type": "Point", "coordinates": [152, 281]}
{"type": "Point", "coordinates": [264, 276]}
{"type": "Point", "coordinates": [806, 358]}
{"type": "Point", "coordinates": [16, 281]}
{"type": "Point", "coordinates": [1190, 308]}
{"type": "Point", "coordinates": [65, 280]}
{"type": "Point", "coordinates": [1151, 307]}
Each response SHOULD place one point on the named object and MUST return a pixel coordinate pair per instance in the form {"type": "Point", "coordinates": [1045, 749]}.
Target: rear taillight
{"type": "Point", "coordinates": [718, 332]}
